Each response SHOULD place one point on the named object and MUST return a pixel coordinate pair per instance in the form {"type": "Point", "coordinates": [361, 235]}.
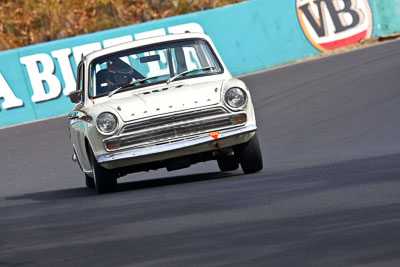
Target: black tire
{"type": "Point", "coordinates": [249, 155]}
{"type": "Point", "coordinates": [228, 164]}
{"type": "Point", "coordinates": [89, 182]}
{"type": "Point", "coordinates": [104, 180]}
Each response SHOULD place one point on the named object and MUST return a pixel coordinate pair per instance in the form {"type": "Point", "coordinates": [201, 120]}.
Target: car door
{"type": "Point", "coordinates": [78, 120]}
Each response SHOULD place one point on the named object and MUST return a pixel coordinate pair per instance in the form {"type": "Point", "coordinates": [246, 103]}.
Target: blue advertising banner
{"type": "Point", "coordinates": [250, 36]}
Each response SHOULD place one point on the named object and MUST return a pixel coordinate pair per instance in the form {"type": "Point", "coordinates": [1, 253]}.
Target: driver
{"type": "Point", "coordinates": [118, 73]}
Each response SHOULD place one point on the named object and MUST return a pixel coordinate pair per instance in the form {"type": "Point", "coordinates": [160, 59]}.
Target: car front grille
{"type": "Point", "coordinates": [174, 127]}
{"type": "Point", "coordinates": [171, 119]}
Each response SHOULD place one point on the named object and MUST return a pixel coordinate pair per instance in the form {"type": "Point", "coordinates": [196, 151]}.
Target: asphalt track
{"type": "Point", "coordinates": [328, 196]}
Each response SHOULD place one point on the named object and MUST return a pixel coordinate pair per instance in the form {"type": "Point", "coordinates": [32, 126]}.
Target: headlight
{"type": "Point", "coordinates": [235, 98]}
{"type": "Point", "coordinates": [106, 123]}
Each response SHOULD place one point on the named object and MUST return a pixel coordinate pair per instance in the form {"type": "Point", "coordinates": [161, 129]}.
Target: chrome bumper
{"type": "Point", "coordinates": [140, 152]}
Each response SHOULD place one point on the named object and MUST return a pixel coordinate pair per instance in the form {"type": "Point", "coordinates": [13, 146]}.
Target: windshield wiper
{"type": "Point", "coordinates": [187, 72]}
{"type": "Point", "coordinates": [130, 84]}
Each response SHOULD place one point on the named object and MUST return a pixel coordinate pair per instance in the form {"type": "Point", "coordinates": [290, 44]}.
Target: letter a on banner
{"type": "Point", "coordinates": [10, 100]}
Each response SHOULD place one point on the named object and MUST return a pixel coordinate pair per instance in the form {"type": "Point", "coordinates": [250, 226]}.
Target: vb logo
{"type": "Point", "coordinates": [330, 24]}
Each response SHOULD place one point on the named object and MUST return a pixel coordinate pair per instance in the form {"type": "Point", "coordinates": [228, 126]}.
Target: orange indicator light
{"type": "Point", "coordinates": [239, 120]}
{"type": "Point", "coordinates": [111, 145]}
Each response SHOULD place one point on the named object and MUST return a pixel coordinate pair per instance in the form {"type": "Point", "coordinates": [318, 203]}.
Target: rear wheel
{"type": "Point", "coordinates": [104, 180]}
{"type": "Point", "coordinates": [249, 155]}
{"type": "Point", "coordinates": [228, 164]}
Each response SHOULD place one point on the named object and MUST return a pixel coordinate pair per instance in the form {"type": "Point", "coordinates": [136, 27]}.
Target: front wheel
{"type": "Point", "coordinates": [249, 155]}
{"type": "Point", "coordinates": [104, 180]}
{"type": "Point", "coordinates": [89, 182]}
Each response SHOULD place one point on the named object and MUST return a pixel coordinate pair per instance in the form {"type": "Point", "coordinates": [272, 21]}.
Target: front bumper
{"type": "Point", "coordinates": [177, 149]}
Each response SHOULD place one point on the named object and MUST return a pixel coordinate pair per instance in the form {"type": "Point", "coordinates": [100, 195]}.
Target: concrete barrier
{"type": "Point", "coordinates": [250, 36]}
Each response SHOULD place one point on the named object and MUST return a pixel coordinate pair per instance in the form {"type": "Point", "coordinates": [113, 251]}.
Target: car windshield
{"type": "Point", "coordinates": [131, 69]}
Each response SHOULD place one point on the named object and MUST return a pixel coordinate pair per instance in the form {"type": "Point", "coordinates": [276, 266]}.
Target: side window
{"type": "Point", "coordinates": [80, 79]}
{"type": "Point", "coordinates": [79, 84]}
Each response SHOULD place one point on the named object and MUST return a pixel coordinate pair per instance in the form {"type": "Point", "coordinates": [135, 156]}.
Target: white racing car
{"type": "Point", "coordinates": [162, 102]}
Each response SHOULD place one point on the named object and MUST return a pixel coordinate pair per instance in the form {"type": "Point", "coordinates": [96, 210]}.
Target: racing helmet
{"type": "Point", "coordinates": [118, 72]}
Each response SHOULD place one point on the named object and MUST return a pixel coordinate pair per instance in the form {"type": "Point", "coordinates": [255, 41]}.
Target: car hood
{"type": "Point", "coordinates": [163, 99]}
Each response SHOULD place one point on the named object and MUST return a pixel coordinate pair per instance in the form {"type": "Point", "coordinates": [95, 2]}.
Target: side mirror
{"type": "Point", "coordinates": [75, 96]}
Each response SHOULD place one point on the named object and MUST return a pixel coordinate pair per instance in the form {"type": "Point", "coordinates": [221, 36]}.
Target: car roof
{"type": "Point", "coordinates": [144, 42]}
